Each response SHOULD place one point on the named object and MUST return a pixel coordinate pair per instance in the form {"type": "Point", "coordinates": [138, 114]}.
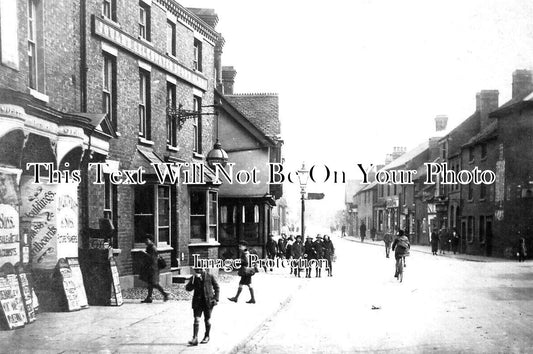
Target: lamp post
{"type": "Point", "coordinates": [303, 176]}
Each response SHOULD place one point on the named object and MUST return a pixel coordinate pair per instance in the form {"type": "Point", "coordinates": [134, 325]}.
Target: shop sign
{"type": "Point", "coordinates": [393, 202]}
{"type": "Point", "coordinates": [143, 50]}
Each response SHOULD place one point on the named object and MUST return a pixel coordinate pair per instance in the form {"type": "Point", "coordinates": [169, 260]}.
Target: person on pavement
{"type": "Point", "coordinates": [309, 254]}
{"type": "Point", "coordinates": [373, 233]}
{"type": "Point", "coordinates": [205, 297]}
{"type": "Point", "coordinates": [401, 247]}
{"type": "Point", "coordinates": [297, 252]}
{"type": "Point", "coordinates": [434, 242]}
{"type": "Point", "coordinates": [245, 272]}
{"type": "Point", "coordinates": [150, 270]}
{"type": "Point", "coordinates": [362, 232]}
{"type": "Point", "coordinates": [288, 249]}
{"type": "Point", "coordinates": [522, 250]}
{"type": "Point", "coordinates": [343, 230]}
{"type": "Point", "coordinates": [271, 249]}
{"type": "Point", "coordinates": [443, 240]}
{"type": "Point", "coordinates": [282, 246]}
{"type": "Point", "coordinates": [329, 254]}
{"type": "Point", "coordinates": [455, 240]}
{"type": "Point", "coordinates": [387, 238]}
{"type": "Point", "coordinates": [319, 254]}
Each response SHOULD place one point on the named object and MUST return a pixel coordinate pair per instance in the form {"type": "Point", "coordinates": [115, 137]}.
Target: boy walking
{"type": "Point", "coordinates": [205, 297]}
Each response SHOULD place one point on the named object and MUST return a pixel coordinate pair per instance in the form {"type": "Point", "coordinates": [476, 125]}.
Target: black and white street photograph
{"type": "Point", "coordinates": [282, 176]}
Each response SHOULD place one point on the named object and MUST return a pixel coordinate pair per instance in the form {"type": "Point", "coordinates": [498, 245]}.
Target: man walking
{"type": "Point", "coordinates": [245, 272]}
{"type": "Point", "coordinates": [387, 238]}
{"type": "Point", "coordinates": [150, 270]}
{"type": "Point", "coordinates": [282, 246]}
{"type": "Point", "coordinates": [362, 231]}
{"type": "Point", "coordinates": [204, 298]}
{"type": "Point", "coordinates": [297, 251]}
{"type": "Point", "coordinates": [271, 249]}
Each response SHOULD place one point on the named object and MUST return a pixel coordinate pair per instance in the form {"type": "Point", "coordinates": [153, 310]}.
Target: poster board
{"type": "Point", "coordinates": [12, 307]}
{"type": "Point", "coordinates": [68, 285]}
{"type": "Point", "coordinates": [27, 292]}
{"type": "Point", "coordinates": [116, 291]}
{"type": "Point", "coordinates": [77, 278]}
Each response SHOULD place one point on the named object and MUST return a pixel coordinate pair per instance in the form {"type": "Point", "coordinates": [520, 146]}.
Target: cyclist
{"type": "Point", "coordinates": [401, 247]}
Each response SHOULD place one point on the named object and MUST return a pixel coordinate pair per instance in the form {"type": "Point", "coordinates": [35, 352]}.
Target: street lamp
{"type": "Point", "coordinates": [303, 177]}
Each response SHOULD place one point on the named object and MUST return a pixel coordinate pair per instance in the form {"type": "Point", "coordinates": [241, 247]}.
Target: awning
{"type": "Point", "coordinates": [144, 157]}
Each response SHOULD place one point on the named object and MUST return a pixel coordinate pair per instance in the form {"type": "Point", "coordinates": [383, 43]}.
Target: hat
{"type": "Point", "coordinates": [319, 236]}
{"type": "Point", "coordinates": [243, 243]}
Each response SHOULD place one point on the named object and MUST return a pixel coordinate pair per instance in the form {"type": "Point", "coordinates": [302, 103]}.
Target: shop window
{"type": "Point", "coordinates": [203, 213]}
{"type": "Point", "coordinates": [171, 38]}
{"type": "Point", "coordinates": [109, 9]}
{"type": "Point", "coordinates": [197, 125]}
{"type": "Point", "coordinates": [197, 64]}
{"type": "Point", "coordinates": [144, 21]}
{"type": "Point", "coordinates": [144, 104]}
{"type": "Point", "coordinates": [109, 91]}
{"type": "Point", "coordinates": [152, 214]}
{"type": "Point", "coordinates": [172, 130]}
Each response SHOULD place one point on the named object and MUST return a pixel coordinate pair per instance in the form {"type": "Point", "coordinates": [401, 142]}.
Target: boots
{"type": "Point", "coordinates": [206, 336]}
{"type": "Point", "coordinates": [194, 340]}
{"type": "Point", "coordinates": [236, 297]}
{"type": "Point", "coordinates": [252, 297]}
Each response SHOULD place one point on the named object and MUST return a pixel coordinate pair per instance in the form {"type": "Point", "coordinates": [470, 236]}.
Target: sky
{"type": "Point", "coordinates": [357, 77]}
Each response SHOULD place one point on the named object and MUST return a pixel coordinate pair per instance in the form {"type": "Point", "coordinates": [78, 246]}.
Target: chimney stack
{"type": "Point", "coordinates": [486, 102]}
{"type": "Point", "coordinates": [441, 122]}
{"type": "Point", "coordinates": [522, 83]}
{"type": "Point", "coordinates": [228, 79]}
{"type": "Point", "coordinates": [398, 151]}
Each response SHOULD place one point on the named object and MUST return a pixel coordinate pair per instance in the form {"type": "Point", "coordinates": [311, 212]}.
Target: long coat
{"type": "Point", "coordinates": [282, 247]}
{"type": "Point", "coordinates": [434, 241]}
{"type": "Point", "coordinates": [443, 239]}
{"type": "Point", "coordinates": [319, 249]}
{"type": "Point", "coordinates": [329, 250]}
{"type": "Point", "coordinates": [297, 250]}
{"type": "Point", "coordinates": [149, 270]}
{"type": "Point", "coordinates": [206, 291]}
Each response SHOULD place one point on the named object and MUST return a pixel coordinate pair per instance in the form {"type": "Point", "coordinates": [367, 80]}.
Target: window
{"type": "Point", "coordinates": [483, 151]}
{"type": "Point", "coordinates": [482, 191]}
{"type": "Point", "coordinates": [152, 207]}
{"type": "Point", "coordinates": [470, 229]}
{"type": "Point", "coordinates": [171, 38]}
{"type": "Point", "coordinates": [482, 233]}
{"type": "Point", "coordinates": [471, 154]}
{"type": "Point", "coordinates": [203, 212]}
{"type": "Point", "coordinates": [197, 64]}
{"type": "Point", "coordinates": [144, 21]}
{"type": "Point", "coordinates": [444, 150]}
{"type": "Point", "coordinates": [109, 89]}
{"type": "Point", "coordinates": [197, 125]}
{"type": "Point", "coordinates": [32, 44]}
{"type": "Point", "coordinates": [171, 123]}
{"type": "Point", "coordinates": [109, 9]}
{"type": "Point", "coordinates": [144, 104]}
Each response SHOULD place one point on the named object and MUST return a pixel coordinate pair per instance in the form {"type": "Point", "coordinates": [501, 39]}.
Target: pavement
{"type": "Point", "coordinates": [443, 305]}
{"type": "Point", "coordinates": [159, 327]}
{"type": "Point", "coordinates": [427, 249]}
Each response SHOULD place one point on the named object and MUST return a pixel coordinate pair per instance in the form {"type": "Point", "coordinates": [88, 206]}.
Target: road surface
{"type": "Point", "coordinates": [443, 305]}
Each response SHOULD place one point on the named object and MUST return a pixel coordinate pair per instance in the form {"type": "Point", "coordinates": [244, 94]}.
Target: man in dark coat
{"type": "Point", "coordinates": [362, 232]}
{"type": "Point", "coordinates": [309, 249]}
{"type": "Point", "coordinates": [245, 272]}
{"type": "Point", "coordinates": [204, 298]}
{"type": "Point", "coordinates": [434, 242]}
{"type": "Point", "coordinates": [387, 238]}
{"type": "Point", "coordinates": [319, 254]}
{"type": "Point", "coordinates": [271, 249]}
{"type": "Point", "coordinates": [282, 246]}
{"type": "Point", "coordinates": [297, 252]}
{"type": "Point", "coordinates": [443, 239]}
{"type": "Point", "coordinates": [329, 253]}
{"type": "Point", "coordinates": [150, 270]}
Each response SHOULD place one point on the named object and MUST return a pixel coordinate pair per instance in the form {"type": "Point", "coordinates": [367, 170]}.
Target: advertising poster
{"type": "Point", "coordinates": [12, 305]}
{"type": "Point", "coordinates": [67, 220]}
{"type": "Point", "coordinates": [39, 221]}
{"type": "Point", "coordinates": [9, 218]}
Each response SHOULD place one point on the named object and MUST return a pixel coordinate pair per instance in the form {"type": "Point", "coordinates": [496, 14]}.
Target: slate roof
{"type": "Point", "coordinates": [489, 132]}
{"type": "Point", "coordinates": [262, 109]}
{"type": "Point", "coordinates": [406, 157]}
{"type": "Point", "coordinates": [522, 99]}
